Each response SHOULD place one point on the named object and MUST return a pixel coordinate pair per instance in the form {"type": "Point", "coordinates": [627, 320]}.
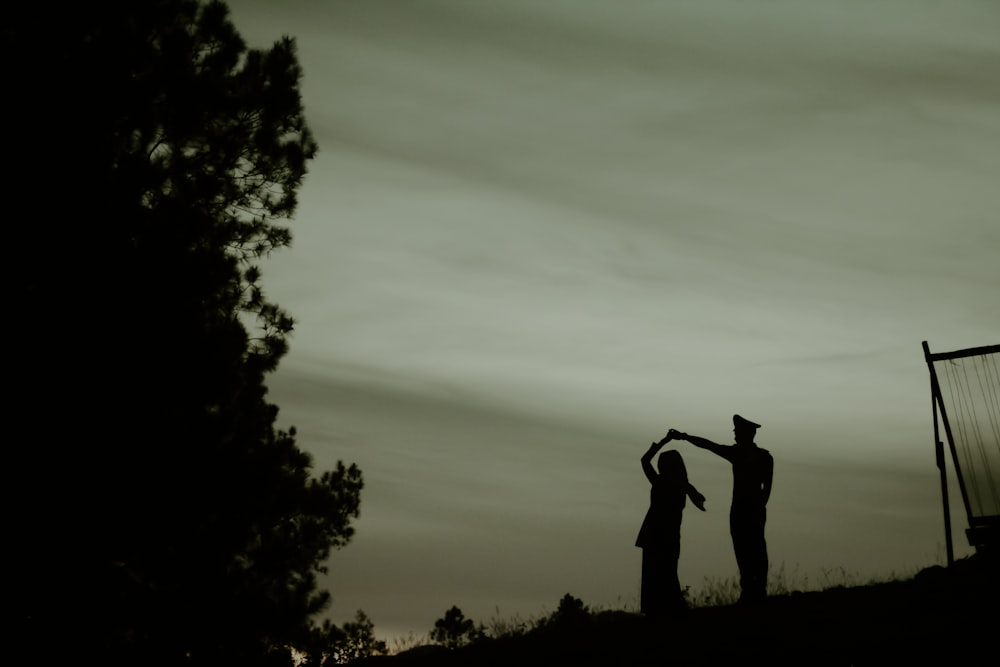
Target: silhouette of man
{"type": "Point", "coordinates": [753, 469]}
{"type": "Point", "coordinates": [660, 533]}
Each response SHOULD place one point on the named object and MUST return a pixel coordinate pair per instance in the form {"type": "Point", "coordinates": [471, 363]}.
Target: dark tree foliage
{"type": "Point", "coordinates": [333, 645]}
{"type": "Point", "coordinates": [454, 629]}
{"type": "Point", "coordinates": [160, 516]}
{"type": "Point", "coordinates": [571, 611]}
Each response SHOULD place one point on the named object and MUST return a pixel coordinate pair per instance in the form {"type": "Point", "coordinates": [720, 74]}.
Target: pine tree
{"type": "Point", "coordinates": [161, 517]}
{"type": "Point", "coordinates": [453, 629]}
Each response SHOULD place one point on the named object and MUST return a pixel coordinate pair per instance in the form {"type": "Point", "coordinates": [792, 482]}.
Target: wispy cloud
{"type": "Point", "coordinates": [535, 226]}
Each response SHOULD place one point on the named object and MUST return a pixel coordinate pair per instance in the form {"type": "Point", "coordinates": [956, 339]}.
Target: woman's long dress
{"type": "Point", "coordinates": [660, 541]}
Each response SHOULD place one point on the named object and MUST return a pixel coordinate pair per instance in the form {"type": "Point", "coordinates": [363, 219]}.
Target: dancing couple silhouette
{"type": "Point", "coordinates": [660, 533]}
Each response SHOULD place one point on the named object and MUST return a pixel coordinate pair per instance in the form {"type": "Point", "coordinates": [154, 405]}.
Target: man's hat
{"type": "Point", "coordinates": [741, 422]}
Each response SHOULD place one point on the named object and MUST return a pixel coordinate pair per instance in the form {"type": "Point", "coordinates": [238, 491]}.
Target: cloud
{"type": "Point", "coordinates": [539, 234]}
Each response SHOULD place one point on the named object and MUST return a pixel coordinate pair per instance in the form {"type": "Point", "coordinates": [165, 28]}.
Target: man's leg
{"type": "Point", "coordinates": [754, 562]}
{"type": "Point", "coordinates": [747, 530]}
{"type": "Point", "coordinates": [737, 529]}
{"type": "Point", "coordinates": [762, 563]}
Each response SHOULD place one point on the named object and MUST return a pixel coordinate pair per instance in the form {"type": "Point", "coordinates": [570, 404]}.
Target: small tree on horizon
{"type": "Point", "coordinates": [333, 645]}
{"type": "Point", "coordinates": [454, 629]}
{"type": "Point", "coordinates": [571, 613]}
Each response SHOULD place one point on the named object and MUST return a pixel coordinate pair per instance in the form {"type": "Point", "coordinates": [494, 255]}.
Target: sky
{"type": "Point", "coordinates": [537, 235]}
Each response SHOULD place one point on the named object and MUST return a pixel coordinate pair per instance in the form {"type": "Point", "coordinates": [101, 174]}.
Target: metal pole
{"type": "Point", "coordinates": [939, 447]}
{"type": "Point", "coordinates": [939, 455]}
{"type": "Point", "coordinates": [936, 390]}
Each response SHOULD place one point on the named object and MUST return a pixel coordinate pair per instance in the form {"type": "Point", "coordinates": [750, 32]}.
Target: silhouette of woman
{"type": "Point", "coordinates": [660, 534]}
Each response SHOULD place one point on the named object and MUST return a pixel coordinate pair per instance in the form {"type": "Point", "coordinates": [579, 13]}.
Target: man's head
{"type": "Point", "coordinates": [744, 430]}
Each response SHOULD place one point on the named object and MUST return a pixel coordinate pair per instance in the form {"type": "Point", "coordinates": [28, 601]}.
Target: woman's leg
{"type": "Point", "coordinates": [651, 593]}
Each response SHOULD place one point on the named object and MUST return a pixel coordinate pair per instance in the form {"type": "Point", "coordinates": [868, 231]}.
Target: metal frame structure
{"type": "Point", "coordinates": [983, 532]}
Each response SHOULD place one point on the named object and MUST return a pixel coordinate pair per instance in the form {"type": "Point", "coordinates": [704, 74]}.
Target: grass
{"type": "Point", "coordinates": [844, 609]}
{"type": "Point", "coordinates": [837, 617]}
{"type": "Point", "coordinates": [497, 627]}
{"type": "Point", "coordinates": [407, 642]}
{"type": "Point", "coordinates": [717, 592]}
{"type": "Point", "coordinates": [713, 592]}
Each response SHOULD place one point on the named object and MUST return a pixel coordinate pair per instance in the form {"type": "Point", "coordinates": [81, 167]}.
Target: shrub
{"type": "Point", "coordinates": [454, 630]}
{"type": "Point", "coordinates": [332, 645]}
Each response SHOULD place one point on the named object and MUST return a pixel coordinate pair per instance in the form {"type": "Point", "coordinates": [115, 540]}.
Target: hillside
{"type": "Point", "coordinates": [942, 615]}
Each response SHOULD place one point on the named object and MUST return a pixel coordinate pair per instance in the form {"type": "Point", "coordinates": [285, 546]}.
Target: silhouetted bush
{"type": "Point", "coordinates": [570, 616]}
{"type": "Point", "coordinates": [333, 645]}
{"type": "Point", "coordinates": [453, 630]}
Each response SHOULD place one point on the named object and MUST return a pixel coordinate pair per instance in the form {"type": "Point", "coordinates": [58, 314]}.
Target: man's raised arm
{"type": "Point", "coordinates": [698, 441]}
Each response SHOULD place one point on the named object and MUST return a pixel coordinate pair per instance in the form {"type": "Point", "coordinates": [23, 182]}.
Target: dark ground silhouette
{"type": "Point", "coordinates": [940, 616]}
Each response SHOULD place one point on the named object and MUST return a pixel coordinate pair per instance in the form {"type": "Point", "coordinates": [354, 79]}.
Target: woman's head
{"type": "Point", "coordinates": [671, 466]}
